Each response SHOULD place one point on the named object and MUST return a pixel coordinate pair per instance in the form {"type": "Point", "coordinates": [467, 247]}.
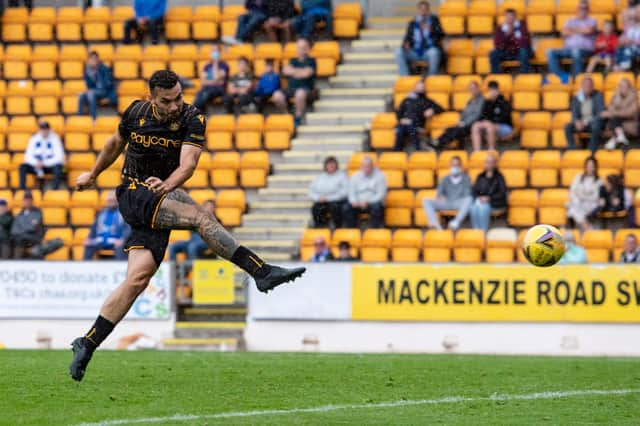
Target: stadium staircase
{"type": "Point", "coordinates": [338, 124]}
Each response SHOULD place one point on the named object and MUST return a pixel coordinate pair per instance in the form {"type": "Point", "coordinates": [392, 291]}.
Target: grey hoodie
{"type": "Point", "coordinates": [369, 189]}
{"type": "Point", "coordinates": [472, 111]}
{"type": "Point", "coordinates": [333, 187]}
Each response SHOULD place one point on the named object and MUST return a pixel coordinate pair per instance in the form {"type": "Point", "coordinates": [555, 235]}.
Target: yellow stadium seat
{"type": "Point", "coordinates": [544, 168]}
{"type": "Point", "coordinates": [399, 203]}
{"type": "Point", "coordinates": [54, 216]}
{"type": "Point", "coordinates": [220, 129]}
{"type": "Point", "coordinates": [375, 245]}
{"type": "Point", "coordinates": [226, 160]}
{"type": "Point", "coordinates": [572, 164]}
{"type": "Point", "coordinates": [229, 19]}
{"type": "Point", "coordinates": [248, 132]}
{"type": "Point", "coordinates": [513, 159]}
{"type": "Point", "coordinates": [541, 47]}
{"type": "Point", "coordinates": [199, 179]}
{"type": "Point", "coordinates": [445, 158]}
{"type": "Point", "coordinates": [459, 65]}
{"type": "Point", "coordinates": [452, 16]}
{"type": "Point", "coordinates": [612, 79]}
{"type": "Point", "coordinates": [253, 178]}
{"type": "Point", "coordinates": [526, 100]}
{"type": "Point", "coordinates": [14, 33]}
{"type": "Point", "coordinates": [56, 198]}
{"type": "Point", "coordinates": [106, 124]}
{"type": "Point", "coordinates": [441, 121]}
{"type": "Point", "coordinates": [383, 130]}
{"type": "Point", "coordinates": [437, 246]}
{"type": "Point", "coordinates": [393, 161]}
{"type": "Point", "coordinates": [18, 105]}
{"type": "Point", "coordinates": [501, 243]}
{"type": "Point", "coordinates": [224, 178]}
{"type": "Point", "coordinates": [96, 24]}
{"type": "Point", "coordinates": [65, 234]}
{"type": "Point", "coordinates": [19, 195]}
{"type": "Point", "coordinates": [177, 23]}
{"type": "Point", "coordinates": [558, 138]}
{"type": "Point", "coordinates": [278, 131]}
{"type": "Point", "coordinates": [394, 178]}
{"type": "Point", "coordinates": [205, 23]}
{"type": "Point", "coordinates": [555, 101]}
{"type": "Point", "coordinates": [598, 244]}
{"type": "Point", "coordinates": [610, 159]}
{"type": "Point", "coordinates": [87, 198]}
{"type": "Point", "coordinates": [522, 207]}
{"type": "Point", "coordinates": [540, 16]}
{"type": "Point", "coordinates": [420, 170]}
{"type": "Point", "coordinates": [553, 206]}
{"type": "Point", "coordinates": [109, 178]}
{"type": "Point", "coordinates": [202, 195]}
{"type": "Point", "coordinates": [82, 216]}
{"type": "Point", "coordinates": [119, 14]}
{"type": "Point", "coordinates": [255, 160]}
{"type": "Point", "coordinates": [80, 235]}
{"type": "Point", "coordinates": [468, 246]}
{"type": "Point", "coordinates": [15, 15]}
{"type": "Point", "coordinates": [71, 65]}
{"type": "Point", "coordinates": [480, 19]}
{"type": "Point", "coordinates": [535, 130]}
{"type": "Point", "coordinates": [68, 32]}
{"type": "Point", "coordinates": [40, 27]}
{"type": "Point", "coordinates": [347, 18]}
{"type": "Point", "coordinates": [350, 235]}
{"type": "Point", "coordinates": [106, 51]}
{"type": "Point", "coordinates": [406, 245]}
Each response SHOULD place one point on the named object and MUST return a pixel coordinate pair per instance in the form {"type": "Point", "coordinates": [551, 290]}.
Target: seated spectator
{"type": "Point", "coordinates": [344, 252]}
{"type": "Point", "coordinates": [194, 247]}
{"type": "Point", "coordinates": [329, 192]}
{"type": "Point", "coordinates": [108, 232]}
{"type": "Point", "coordinates": [630, 254]}
{"type": "Point", "coordinates": [149, 14]}
{"type": "Point", "coordinates": [586, 109]}
{"type": "Point", "coordinates": [44, 154]}
{"type": "Point", "coordinates": [612, 195]}
{"type": "Point", "coordinates": [422, 41]}
{"type": "Point", "coordinates": [313, 11]}
{"type": "Point", "coordinates": [412, 114]}
{"type": "Point", "coordinates": [6, 219]}
{"type": "Point", "coordinates": [622, 115]}
{"type": "Point", "coordinates": [453, 193]}
{"type": "Point", "coordinates": [301, 76]}
{"type": "Point", "coordinates": [249, 22]}
{"type": "Point", "coordinates": [16, 3]}
{"type": "Point", "coordinates": [470, 114]}
{"type": "Point", "coordinates": [268, 84]}
{"type": "Point", "coordinates": [579, 33]}
{"type": "Point", "coordinates": [629, 42]}
{"type": "Point", "coordinates": [605, 46]}
{"type": "Point", "coordinates": [495, 120]}
{"type": "Point", "coordinates": [573, 253]}
{"type": "Point", "coordinates": [584, 195]}
{"type": "Point", "coordinates": [27, 231]}
{"type": "Point", "coordinates": [512, 43]}
{"type": "Point", "coordinates": [367, 191]}
{"type": "Point", "coordinates": [321, 252]}
{"type": "Point", "coordinates": [239, 89]}
{"type": "Point", "coordinates": [279, 15]}
{"type": "Point", "coordinates": [489, 193]}
{"type": "Point", "coordinates": [214, 77]}
{"type": "Point", "coordinates": [100, 85]}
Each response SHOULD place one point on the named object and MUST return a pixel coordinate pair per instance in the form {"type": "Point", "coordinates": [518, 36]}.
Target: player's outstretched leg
{"type": "Point", "coordinates": [179, 211]}
{"type": "Point", "coordinates": [141, 268]}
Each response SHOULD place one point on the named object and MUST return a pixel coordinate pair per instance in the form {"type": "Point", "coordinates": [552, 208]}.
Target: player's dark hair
{"type": "Point", "coordinates": [330, 159]}
{"type": "Point", "coordinates": [595, 167]}
{"type": "Point", "coordinates": [164, 79]}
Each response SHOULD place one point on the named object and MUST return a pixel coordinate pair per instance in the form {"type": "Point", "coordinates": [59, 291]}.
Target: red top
{"type": "Point", "coordinates": [606, 44]}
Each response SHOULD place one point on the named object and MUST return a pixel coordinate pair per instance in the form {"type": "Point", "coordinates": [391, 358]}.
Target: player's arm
{"type": "Point", "coordinates": [189, 156]}
{"type": "Point", "coordinates": [110, 152]}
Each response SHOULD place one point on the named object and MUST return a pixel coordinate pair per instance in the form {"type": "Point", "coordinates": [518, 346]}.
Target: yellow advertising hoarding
{"type": "Point", "coordinates": [606, 294]}
{"type": "Point", "coordinates": [212, 282]}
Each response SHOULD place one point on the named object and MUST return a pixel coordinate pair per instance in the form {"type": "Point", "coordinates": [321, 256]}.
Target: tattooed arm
{"type": "Point", "coordinates": [189, 156]}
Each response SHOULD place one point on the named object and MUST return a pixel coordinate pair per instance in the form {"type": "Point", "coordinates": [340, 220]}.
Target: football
{"type": "Point", "coordinates": [543, 245]}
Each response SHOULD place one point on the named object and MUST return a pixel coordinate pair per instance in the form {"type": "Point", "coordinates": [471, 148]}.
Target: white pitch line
{"type": "Point", "coordinates": [390, 404]}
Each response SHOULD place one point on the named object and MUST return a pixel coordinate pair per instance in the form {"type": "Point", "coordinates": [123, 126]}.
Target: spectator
{"type": "Point", "coordinates": [6, 219]}
{"type": "Point", "coordinates": [470, 114]}
{"type": "Point", "coordinates": [612, 195]}
{"type": "Point", "coordinates": [239, 89]}
{"type": "Point", "coordinates": [301, 75]}
{"type": "Point", "coordinates": [27, 231]}
{"type": "Point", "coordinates": [630, 254]}
{"type": "Point", "coordinates": [194, 247]}
{"type": "Point", "coordinates": [249, 22]}
{"type": "Point", "coordinates": [344, 252]}
{"type": "Point", "coordinates": [16, 3]}
{"type": "Point", "coordinates": [279, 14]}
{"type": "Point", "coordinates": [149, 14]}
{"type": "Point", "coordinates": [495, 120]}
{"type": "Point", "coordinates": [453, 193]}
{"type": "Point", "coordinates": [586, 109]}
{"type": "Point", "coordinates": [489, 193]}
{"type": "Point", "coordinates": [629, 41]}
{"type": "Point", "coordinates": [584, 194]}
{"type": "Point", "coordinates": [100, 85]}
{"type": "Point", "coordinates": [268, 84]}
{"type": "Point", "coordinates": [44, 154]}
{"type": "Point", "coordinates": [321, 252]}
{"type": "Point", "coordinates": [329, 192]}
{"type": "Point", "coordinates": [414, 110]}
{"type": "Point", "coordinates": [578, 33]}
{"type": "Point", "coordinates": [214, 77]}
{"type": "Point", "coordinates": [512, 42]}
{"type": "Point", "coordinates": [605, 46]}
{"type": "Point", "coordinates": [573, 253]}
{"type": "Point", "coordinates": [422, 41]}
{"type": "Point", "coordinates": [313, 11]}
{"type": "Point", "coordinates": [367, 191]}
{"type": "Point", "coordinates": [622, 114]}
{"type": "Point", "coordinates": [108, 232]}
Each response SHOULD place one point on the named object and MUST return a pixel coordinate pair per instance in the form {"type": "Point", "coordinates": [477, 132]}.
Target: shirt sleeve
{"type": "Point", "coordinates": [196, 127]}
{"type": "Point", "coordinates": [126, 116]}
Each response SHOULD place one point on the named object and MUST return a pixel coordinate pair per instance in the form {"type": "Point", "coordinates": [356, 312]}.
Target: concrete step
{"type": "Point", "coordinates": [338, 118]}
{"type": "Point", "coordinates": [369, 57]}
{"type": "Point", "coordinates": [390, 22]}
{"type": "Point", "coordinates": [269, 233]}
{"type": "Point", "coordinates": [278, 246]}
{"type": "Point", "coordinates": [388, 45]}
{"type": "Point", "coordinates": [280, 207]}
{"type": "Point", "coordinates": [284, 194]}
{"type": "Point", "coordinates": [204, 344]}
{"type": "Point", "coordinates": [299, 144]}
{"type": "Point", "coordinates": [357, 93]}
{"type": "Point", "coordinates": [275, 220]}
{"type": "Point", "coordinates": [274, 257]}
{"type": "Point", "coordinates": [366, 80]}
{"type": "Point", "coordinates": [317, 156]}
{"type": "Point", "coordinates": [290, 181]}
{"type": "Point", "coordinates": [384, 33]}
{"type": "Point", "coordinates": [296, 168]}
{"type": "Point", "coordinates": [330, 132]}
{"type": "Point", "coordinates": [350, 105]}
{"type": "Point", "coordinates": [366, 69]}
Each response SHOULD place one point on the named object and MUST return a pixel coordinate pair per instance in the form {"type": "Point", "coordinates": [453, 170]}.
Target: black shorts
{"type": "Point", "coordinates": [139, 207]}
{"type": "Point", "coordinates": [291, 93]}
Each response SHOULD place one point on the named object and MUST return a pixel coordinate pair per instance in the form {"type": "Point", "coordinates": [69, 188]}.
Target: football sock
{"type": "Point", "coordinates": [99, 331]}
{"type": "Point", "coordinates": [250, 262]}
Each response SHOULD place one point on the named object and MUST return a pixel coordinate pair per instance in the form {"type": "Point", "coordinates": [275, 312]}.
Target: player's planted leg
{"type": "Point", "coordinates": [179, 211]}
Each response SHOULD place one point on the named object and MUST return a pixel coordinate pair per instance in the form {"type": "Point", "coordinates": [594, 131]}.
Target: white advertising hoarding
{"type": "Point", "coordinates": [75, 290]}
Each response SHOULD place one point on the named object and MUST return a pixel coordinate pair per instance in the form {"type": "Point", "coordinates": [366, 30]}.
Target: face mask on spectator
{"type": "Point", "coordinates": [455, 171]}
{"type": "Point", "coordinates": [215, 55]}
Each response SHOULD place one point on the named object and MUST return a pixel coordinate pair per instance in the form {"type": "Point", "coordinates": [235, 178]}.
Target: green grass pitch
{"type": "Point", "coordinates": [420, 389]}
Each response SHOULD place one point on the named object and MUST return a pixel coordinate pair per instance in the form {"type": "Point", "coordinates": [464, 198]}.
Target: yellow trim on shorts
{"type": "Point", "coordinates": [191, 143]}
{"type": "Point", "coordinates": [155, 212]}
{"type": "Point", "coordinates": [128, 249]}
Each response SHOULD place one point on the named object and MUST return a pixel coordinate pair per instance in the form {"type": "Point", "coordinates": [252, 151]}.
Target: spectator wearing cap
{"type": "Point", "coordinates": [329, 192]}
{"type": "Point", "coordinates": [512, 42]}
{"type": "Point", "coordinates": [27, 232]}
{"type": "Point", "coordinates": [108, 232]}
{"type": "Point", "coordinates": [149, 14]}
{"type": "Point", "coordinates": [367, 191]}
{"type": "Point", "coordinates": [6, 219]}
{"type": "Point", "coordinates": [321, 252]}
{"type": "Point", "coordinates": [100, 85]}
{"type": "Point", "coordinates": [631, 253]}
{"type": "Point", "coordinates": [44, 154]}
{"type": "Point", "coordinates": [344, 252]}
{"type": "Point", "coordinates": [495, 120]}
{"type": "Point", "coordinates": [422, 41]}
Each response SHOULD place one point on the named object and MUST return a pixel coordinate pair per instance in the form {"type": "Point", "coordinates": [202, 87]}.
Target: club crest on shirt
{"type": "Point", "coordinates": [174, 126]}
{"type": "Point", "coordinates": [201, 118]}
{"type": "Point", "coordinates": [141, 122]}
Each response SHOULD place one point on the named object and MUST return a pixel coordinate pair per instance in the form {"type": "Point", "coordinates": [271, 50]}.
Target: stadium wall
{"type": "Point", "coordinates": [564, 310]}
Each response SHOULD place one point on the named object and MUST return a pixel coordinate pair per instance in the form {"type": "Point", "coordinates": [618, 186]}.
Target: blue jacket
{"type": "Point", "coordinates": [268, 83]}
{"type": "Point", "coordinates": [108, 227]}
{"type": "Point", "coordinates": [103, 79]}
{"type": "Point", "coordinates": [256, 5]}
{"type": "Point", "coordinates": [153, 9]}
{"type": "Point", "coordinates": [306, 5]}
